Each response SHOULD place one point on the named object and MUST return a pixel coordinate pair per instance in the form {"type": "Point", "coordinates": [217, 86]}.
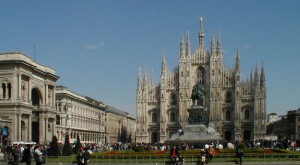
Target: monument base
{"type": "Point", "coordinates": [198, 131]}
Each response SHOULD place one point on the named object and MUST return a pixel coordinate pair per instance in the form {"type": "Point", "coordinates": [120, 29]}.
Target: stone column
{"type": "Point", "coordinates": [19, 86]}
{"type": "Point", "coordinates": [19, 126]}
{"type": "Point", "coordinates": [29, 128]}
{"type": "Point", "coordinates": [7, 92]}
{"type": "Point", "coordinates": [29, 89]}
{"type": "Point", "coordinates": [46, 95]}
{"type": "Point", "coordinates": [53, 96]}
{"type": "Point", "coordinates": [46, 118]}
{"type": "Point", "coordinates": [41, 128]}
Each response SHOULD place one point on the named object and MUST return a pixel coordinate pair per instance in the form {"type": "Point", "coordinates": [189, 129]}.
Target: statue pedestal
{"type": "Point", "coordinates": [198, 130]}
{"type": "Point", "coordinates": [197, 115]}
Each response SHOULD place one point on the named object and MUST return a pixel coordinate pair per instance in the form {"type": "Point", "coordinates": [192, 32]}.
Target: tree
{"type": "Point", "coordinates": [67, 149]}
{"type": "Point", "coordinates": [129, 138]}
{"type": "Point", "coordinates": [77, 145]}
{"type": "Point", "coordinates": [54, 149]}
{"type": "Point", "coordinates": [123, 136]}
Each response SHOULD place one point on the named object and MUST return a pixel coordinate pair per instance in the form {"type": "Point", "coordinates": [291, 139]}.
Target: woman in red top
{"type": "Point", "coordinates": [174, 154]}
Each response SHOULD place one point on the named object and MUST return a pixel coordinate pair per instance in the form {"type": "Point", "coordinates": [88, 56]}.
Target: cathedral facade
{"type": "Point", "coordinates": [236, 107]}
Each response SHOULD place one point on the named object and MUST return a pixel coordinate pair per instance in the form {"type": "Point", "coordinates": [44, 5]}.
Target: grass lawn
{"type": "Point", "coordinates": [225, 155]}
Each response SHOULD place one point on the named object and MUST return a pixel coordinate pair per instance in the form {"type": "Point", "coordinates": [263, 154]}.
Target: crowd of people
{"type": "Point", "coordinates": [19, 153]}
{"type": "Point", "coordinates": [25, 153]}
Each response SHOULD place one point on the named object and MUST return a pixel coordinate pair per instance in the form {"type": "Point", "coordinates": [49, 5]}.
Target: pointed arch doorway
{"type": "Point", "coordinates": [247, 135]}
{"type": "Point", "coordinates": [154, 137]}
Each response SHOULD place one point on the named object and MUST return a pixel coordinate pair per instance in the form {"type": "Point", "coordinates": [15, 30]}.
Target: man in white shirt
{"type": "Point", "coordinates": [38, 155]}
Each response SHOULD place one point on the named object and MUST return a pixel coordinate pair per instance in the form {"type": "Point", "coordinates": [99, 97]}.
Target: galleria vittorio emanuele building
{"type": "Point", "coordinates": [236, 107]}
{"type": "Point", "coordinates": [34, 108]}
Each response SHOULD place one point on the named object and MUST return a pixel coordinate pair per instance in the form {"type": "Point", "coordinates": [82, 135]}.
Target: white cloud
{"type": "Point", "coordinates": [92, 46]}
{"type": "Point", "coordinates": [247, 46]}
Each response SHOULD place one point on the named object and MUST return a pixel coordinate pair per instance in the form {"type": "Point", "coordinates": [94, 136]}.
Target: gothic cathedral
{"type": "Point", "coordinates": [236, 107]}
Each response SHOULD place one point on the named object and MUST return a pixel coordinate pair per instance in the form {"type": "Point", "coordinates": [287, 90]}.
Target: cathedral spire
{"type": "Point", "coordinates": [201, 34]}
{"type": "Point", "coordinates": [145, 78]}
{"type": "Point", "coordinates": [145, 85]}
{"type": "Point", "coordinates": [182, 47]}
{"type": "Point", "coordinates": [164, 63]}
{"type": "Point", "coordinates": [212, 44]}
{"type": "Point", "coordinates": [251, 77]}
{"type": "Point", "coordinates": [237, 67]}
{"type": "Point", "coordinates": [140, 80]}
{"type": "Point", "coordinates": [256, 78]}
{"type": "Point", "coordinates": [219, 45]}
{"type": "Point", "coordinates": [188, 44]}
{"type": "Point", "coordinates": [237, 60]}
{"type": "Point", "coordinates": [262, 76]}
{"type": "Point", "coordinates": [164, 70]}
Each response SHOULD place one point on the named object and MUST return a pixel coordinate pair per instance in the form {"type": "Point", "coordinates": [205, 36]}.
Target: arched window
{"type": "Point", "coordinates": [247, 115]}
{"type": "Point", "coordinates": [154, 117]}
{"type": "Point", "coordinates": [35, 97]}
{"type": "Point", "coordinates": [49, 127]}
{"type": "Point", "coordinates": [200, 73]}
{"type": "Point", "coordinates": [173, 99]}
{"type": "Point", "coordinates": [228, 97]}
{"type": "Point", "coordinates": [9, 90]}
{"type": "Point", "coordinates": [6, 89]}
{"type": "Point", "coordinates": [172, 116]}
{"type": "Point", "coordinates": [57, 120]}
{"type": "Point", "coordinates": [3, 90]}
{"type": "Point", "coordinates": [228, 115]}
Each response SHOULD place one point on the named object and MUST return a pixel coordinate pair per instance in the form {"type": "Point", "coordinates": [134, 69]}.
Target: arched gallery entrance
{"type": "Point", "coordinates": [36, 99]}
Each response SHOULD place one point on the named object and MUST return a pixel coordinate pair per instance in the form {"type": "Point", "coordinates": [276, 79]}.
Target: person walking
{"type": "Point", "coordinates": [27, 155]}
{"type": "Point", "coordinates": [80, 159]}
{"type": "Point", "coordinates": [38, 155]}
{"type": "Point", "coordinates": [203, 156]}
{"type": "Point", "coordinates": [239, 152]}
{"type": "Point", "coordinates": [16, 155]}
{"type": "Point", "coordinates": [86, 156]}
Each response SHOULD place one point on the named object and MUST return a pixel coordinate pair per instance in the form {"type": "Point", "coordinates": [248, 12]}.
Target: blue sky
{"type": "Point", "coordinates": [97, 46]}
